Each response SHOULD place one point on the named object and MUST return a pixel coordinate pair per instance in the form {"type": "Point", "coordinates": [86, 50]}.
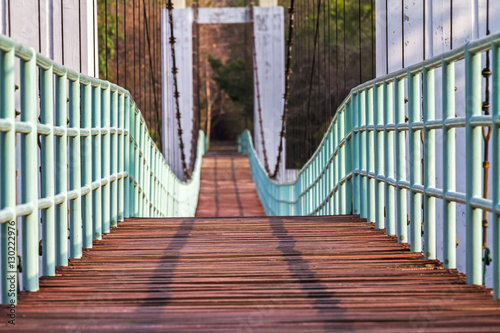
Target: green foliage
{"type": "Point", "coordinates": [240, 3]}
{"type": "Point", "coordinates": [335, 10]}
{"type": "Point", "coordinates": [219, 3]}
{"type": "Point", "coordinates": [234, 78]}
{"type": "Point", "coordinates": [109, 40]}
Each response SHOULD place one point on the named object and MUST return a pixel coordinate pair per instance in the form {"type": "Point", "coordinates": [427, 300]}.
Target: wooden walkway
{"type": "Point", "coordinates": [227, 186]}
{"type": "Point", "coordinates": [253, 274]}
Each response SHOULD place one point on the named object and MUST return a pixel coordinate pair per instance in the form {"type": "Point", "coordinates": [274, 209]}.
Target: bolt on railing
{"type": "Point", "coordinates": [113, 166]}
{"type": "Point", "coordinates": [360, 165]}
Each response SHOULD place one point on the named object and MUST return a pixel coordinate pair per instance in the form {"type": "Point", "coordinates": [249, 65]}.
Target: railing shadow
{"type": "Point", "coordinates": [236, 189]}
{"type": "Point", "coordinates": [322, 299]}
{"type": "Point", "coordinates": [172, 255]}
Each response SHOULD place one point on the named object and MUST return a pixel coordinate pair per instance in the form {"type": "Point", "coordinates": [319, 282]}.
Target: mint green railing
{"type": "Point", "coordinates": [95, 171]}
{"type": "Point", "coordinates": [360, 165]}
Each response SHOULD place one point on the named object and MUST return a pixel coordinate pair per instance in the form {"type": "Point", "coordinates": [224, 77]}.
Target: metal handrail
{"type": "Point", "coordinates": [360, 164]}
{"type": "Point", "coordinates": [96, 170]}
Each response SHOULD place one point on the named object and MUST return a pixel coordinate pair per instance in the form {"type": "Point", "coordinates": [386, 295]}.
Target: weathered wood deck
{"type": "Point", "coordinates": [227, 186]}
{"type": "Point", "coordinates": [253, 274]}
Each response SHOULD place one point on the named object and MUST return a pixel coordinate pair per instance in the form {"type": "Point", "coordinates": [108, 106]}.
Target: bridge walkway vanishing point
{"type": "Point", "coordinates": [227, 185]}
{"type": "Point", "coordinates": [253, 274]}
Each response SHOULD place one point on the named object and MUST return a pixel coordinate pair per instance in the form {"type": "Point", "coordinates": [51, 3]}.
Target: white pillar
{"type": "Point", "coordinates": [268, 3]}
{"type": "Point", "coordinates": [38, 25]}
{"type": "Point", "coordinates": [269, 31]}
{"type": "Point", "coordinates": [183, 19]}
{"type": "Point", "coordinates": [270, 48]}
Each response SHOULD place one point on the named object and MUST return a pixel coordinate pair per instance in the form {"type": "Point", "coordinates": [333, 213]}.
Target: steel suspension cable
{"type": "Point", "coordinates": [116, 43]}
{"type": "Point", "coordinates": [486, 72]}
{"type": "Point", "coordinates": [135, 49]}
{"type": "Point", "coordinates": [336, 52]}
{"type": "Point", "coordinates": [359, 28]}
{"type": "Point", "coordinates": [286, 95]}
{"type": "Point", "coordinates": [311, 78]}
{"type": "Point", "coordinates": [345, 58]}
{"type": "Point", "coordinates": [125, 43]}
{"type": "Point", "coordinates": [105, 35]}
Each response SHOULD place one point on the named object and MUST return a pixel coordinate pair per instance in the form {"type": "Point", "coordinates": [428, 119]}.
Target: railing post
{"type": "Point", "coordinates": [105, 158]}
{"type": "Point", "coordinates": [137, 161]}
{"type": "Point", "coordinates": [378, 100]}
{"type": "Point", "coordinates": [169, 191]}
{"type": "Point", "coordinates": [86, 144]}
{"type": "Point", "coordinates": [318, 193]}
{"type": "Point", "coordinates": [121, 154]}
{"type": "Point", "coordinates": [162, 188]}
{"type": "Point", "coordinates": [342, 173]}
{"type": "Point", "coordinates": [141, 181]}
{"type": "Point", "coordinates": [496, 169]}
{"type": "Point", "coordinates": [473, 217]}
{"type": "Point", "coordinates": [355, 152]}
{"type": "Point", "coordinates": [336, 195]}
{"type": "Point", "coordinates": [149, 163]}
{"type": "Point", "coordinates": [327, 180]}
{"type": "Point", "coordinates": [324, 176]}
{"type": "Point", "coordinates": [363, 180]}
{"type": "Point", "coordinates": [402, 228]}
{"type": "Point", "coordinates": [156, 179]}
{"type": "Point", "coordinates": [370, 158]}
{"type": "Point", "coordinates": [348, 152]}
{"type": "Point", "coordinates": [331, 171]}
{"type": "Point", "coordinates": [62, 173]}
{"type": "Point", "coordinates": [96, 162]}
{"type": "Point", "coordinates": [8, 175]}
{"type": "Point", "coordinates": [75, 181]}
{"type": "Point", "coordinates": [415, 166]}
{"type": "Point", "coordinates": [151, 177]}
{"type": "Point", "coordinates": [315, 190]}
{"type": "Point", "coordinates": [47, 181]}
{"type": "Point", "coordinates": [128, 149]}
{"type": "Point", "coordinates": [390, 200]}
{"type": "Point", "coordinates": [310, 179]}
{"type": "Point", "coordinates": [449, 174]}
{"type": "Point", "coordinates": [29, 151]}
{"type": "Point", "coordinates": [114, 159]}
{"type": "Point", "coordinates": [429, 166]}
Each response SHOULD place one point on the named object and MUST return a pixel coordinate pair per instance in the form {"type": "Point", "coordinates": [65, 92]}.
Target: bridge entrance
{"type": "Point", "coordinates": [267, 25]}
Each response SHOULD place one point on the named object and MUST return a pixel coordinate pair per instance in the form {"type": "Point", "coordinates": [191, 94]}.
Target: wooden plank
{"type": "Point", "coordinates": [265, 274]}
{"type": "Point", "coordinates": [227, 188]}
{"type": "Point", "coordinates": [245, 274]}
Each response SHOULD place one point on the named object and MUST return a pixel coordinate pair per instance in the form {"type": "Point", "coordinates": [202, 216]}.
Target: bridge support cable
{"type": "Point", "coordinates": [349, 171]}
{"type": "Point", "coordinates": [485, 106]}
{"type": "Point", "coordinates": [114, 168]}
{"type": "Point", "coordinates": [333, 51]}
{"type": "Point", "coordinates": [257, 89]}
{"type": "Point", "coordinates": [128, 33]}
{"type": "Point", "coordinates": [286, 96]}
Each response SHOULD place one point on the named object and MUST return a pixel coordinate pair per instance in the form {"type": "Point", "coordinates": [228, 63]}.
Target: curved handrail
{"type": "Point", "coordinates": [361, 163]}
{"type": "Point", "coordinates": [98, 164]}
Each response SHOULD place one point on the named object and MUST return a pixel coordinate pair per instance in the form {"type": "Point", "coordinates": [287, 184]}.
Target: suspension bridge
{"type": "Point", "coordinates": [351, 243]}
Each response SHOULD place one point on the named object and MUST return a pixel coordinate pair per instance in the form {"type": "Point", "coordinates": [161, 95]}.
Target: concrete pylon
{"type": "Point", "coordinates": [268, 3]}
{"type": "Point", "coordinates": [179, 4]}
{"type": "Point", "coordinates": [270, 47]}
